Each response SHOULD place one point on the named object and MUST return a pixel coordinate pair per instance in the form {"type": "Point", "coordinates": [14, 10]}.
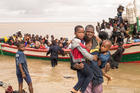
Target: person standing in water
{"type": "Point", "coordinates": [22, 68]}
{"type": "Point", "coordinates": [78, 55]}
{"type": "Point", "coordinates": [91, 42]}
{"type": "Point", "coordinates": [54, 50]}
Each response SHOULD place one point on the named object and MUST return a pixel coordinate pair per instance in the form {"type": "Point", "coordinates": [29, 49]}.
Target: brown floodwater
{"type": "Point", "coordinates": [61, 78]}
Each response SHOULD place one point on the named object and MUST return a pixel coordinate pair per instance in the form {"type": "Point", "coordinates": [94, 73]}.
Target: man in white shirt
{"type": "Point", "coordinates": [108, 30]}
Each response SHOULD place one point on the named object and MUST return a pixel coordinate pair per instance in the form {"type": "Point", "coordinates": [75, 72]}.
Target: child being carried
{"type": "Point", "coordinates": [103, 57]}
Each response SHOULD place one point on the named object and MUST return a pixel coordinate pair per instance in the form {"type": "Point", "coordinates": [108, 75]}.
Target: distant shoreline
{"type": "Point", "coordinates": [58, 29]}
{"type": "Point", "coordinates": [52, 22]}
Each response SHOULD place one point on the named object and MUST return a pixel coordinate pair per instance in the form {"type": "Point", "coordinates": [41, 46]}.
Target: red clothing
{"type": "Point", "coordinates": [77, 54]}
{"type": "Point", "coordinates": [42, 47]}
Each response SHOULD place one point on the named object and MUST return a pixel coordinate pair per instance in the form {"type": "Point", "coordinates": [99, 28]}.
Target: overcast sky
{"type": "Point", "coordinates": [59, 10]}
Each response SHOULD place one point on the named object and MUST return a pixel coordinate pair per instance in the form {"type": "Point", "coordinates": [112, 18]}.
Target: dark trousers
{"type": "Point", "coordinates": [98, 75]}
{"type": "Point", "coordinates": [85, 75]}
{"type": "Point", "coordinates": [114, 64]}
{"type": "Point", "coordinates": [53, 62]}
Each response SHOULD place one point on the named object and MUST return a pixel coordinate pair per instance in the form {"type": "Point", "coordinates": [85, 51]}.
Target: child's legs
{"type": "Point", "coordinates": [88, 77]}
{"type": "Point", "coordinates": [20, 82]}
{"type": "Point", "coordinates": [81, 79]}
{"type": "Point", "coordinates": [30, 87]}
{"type": "Point", "coordinates": [20, 87]}
{"type": "Point", "coordinates": [29, 82]}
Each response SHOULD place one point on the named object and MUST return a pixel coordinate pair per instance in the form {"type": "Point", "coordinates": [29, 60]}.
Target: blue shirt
{"type": "Point", "coordinates": [21, 59]}
{"type": "Point", "coordinates": [104, 59]}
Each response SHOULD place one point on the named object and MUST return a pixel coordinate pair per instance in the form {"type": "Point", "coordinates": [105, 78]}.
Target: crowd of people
{"type": "Point", "coordinates": [114, 30]}
{"type": "Point", "coordinates": [118, 30]}
{"type": "Point", "coordinates": [86, 45]}
{"type": "Point", "coordinates": [36, 41]}
{"type": "Point", "coordinates": [91, 64]}
{"type": "Point", "coordinates": [90, 55]}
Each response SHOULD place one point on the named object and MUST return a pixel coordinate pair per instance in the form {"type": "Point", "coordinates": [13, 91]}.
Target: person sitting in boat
{"type": "Point", "coordinates": [54, 50]}
{"type": "Point", "coordinates": [109, 30]}
{"type": "Point", "coordinates": [78, 54]}
{"type": "Point", "coordinates": [37, 44]}
{"type": "Point", "coordinates": [47, 46]}
{"type": "Point", "coordinates": [10, 41]}
{"type": "Point", "coordinates": [65, 43]}
{"type": "Point", "coordinates": [42, 43]}
{"type": "Point", "coordinates": [42, 46]}
{"type": "Point", "coordinates": [116, 36]}
{"type": "Point", "coordinates": [32, 44]}
{"type": "Point", "coordinates": [103, 57]}
{"type": "Point", "coordinates": [60, 44]}
{"type": "Point", "coordinates": [4, 39]}
{"type": "Point", "coordinates": [52, 38]}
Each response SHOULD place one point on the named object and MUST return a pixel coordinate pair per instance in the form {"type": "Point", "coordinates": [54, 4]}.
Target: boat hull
{"type": "Point", "coordinates": [131, 54]}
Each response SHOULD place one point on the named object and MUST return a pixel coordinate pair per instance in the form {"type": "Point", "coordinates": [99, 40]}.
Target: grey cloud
{"type": "Point", "coordinates": [60, 9]}
{"type": "Point", "coordinates": [35, 6]}
{"type": "Point", "coordinates": [28, 6]}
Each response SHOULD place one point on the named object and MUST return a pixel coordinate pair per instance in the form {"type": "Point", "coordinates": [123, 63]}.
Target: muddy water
{"type": "Point", "coordinates": [61, 79]}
